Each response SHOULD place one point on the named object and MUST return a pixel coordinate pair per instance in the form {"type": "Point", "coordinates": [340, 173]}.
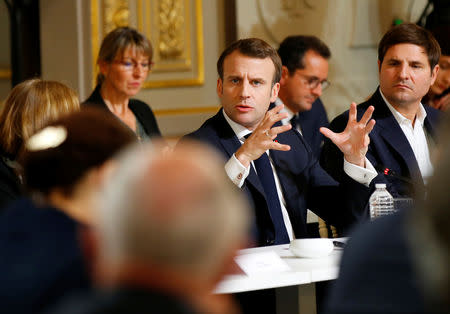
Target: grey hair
{"type": "Point", "coordinates": [189, 222]}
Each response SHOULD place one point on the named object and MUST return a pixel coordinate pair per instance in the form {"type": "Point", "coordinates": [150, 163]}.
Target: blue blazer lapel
{"type": "Point", "coordinates": [391, 132]}
{"type": "Point", "coordinates": [231, 144]}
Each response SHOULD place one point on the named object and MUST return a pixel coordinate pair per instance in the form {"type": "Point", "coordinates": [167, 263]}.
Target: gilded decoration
{"type": "Point", "coordinates": [116, 13]}
{"type": "Point", "coordinates": [171, 26]}
{"type": "Point", "coordinates": [174, 27]}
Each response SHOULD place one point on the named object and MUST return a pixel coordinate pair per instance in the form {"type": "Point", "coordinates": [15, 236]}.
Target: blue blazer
{"type": "Point", "coordinates": [310, 122]}
{"type": "Point", "coordinates": [388, 148]}
{"type": "Point", "coordinates": [304, 183]}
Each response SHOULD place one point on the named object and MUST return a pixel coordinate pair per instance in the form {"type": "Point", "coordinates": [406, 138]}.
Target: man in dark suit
{"type": "Point", "coordinates": [412, 274]}
{"type": "Point", "coordinates": [291, 180]}
{"type": "Point", "coordinates": [401, 142]}
{"type": "Point", "coordinates": [303, 79]}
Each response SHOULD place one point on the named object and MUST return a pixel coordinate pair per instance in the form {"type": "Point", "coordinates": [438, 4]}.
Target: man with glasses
{"type": "Point", "coordinates": [303, 79]}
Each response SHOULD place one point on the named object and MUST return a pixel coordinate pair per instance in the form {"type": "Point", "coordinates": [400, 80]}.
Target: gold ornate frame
{"type": "Point", "coordinates": [175, 28]}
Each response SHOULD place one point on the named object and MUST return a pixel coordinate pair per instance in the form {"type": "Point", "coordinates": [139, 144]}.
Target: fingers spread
{"type": "Point", "coordinates": [369, 126]}
{"type": "Point", "coordinates": [352, 112]}
{"type": "Point", "coordinates": [367, 115]}
{"type": "Point", "coordinates": [328, 133]}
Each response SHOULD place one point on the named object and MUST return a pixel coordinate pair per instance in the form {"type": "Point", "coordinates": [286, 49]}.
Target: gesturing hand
{"type": "Point", "coordinates": [263, 136]}
{"type": "Point", "coordinates": [354, 140]}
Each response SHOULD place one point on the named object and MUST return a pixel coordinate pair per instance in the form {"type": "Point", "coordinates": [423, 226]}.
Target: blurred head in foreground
{"type": "Point", "coordinates": [64, 162]}
{"type": "Point", "coordinates": [430, 222]}
{"type": "Point", "coordinates": [171, 221]}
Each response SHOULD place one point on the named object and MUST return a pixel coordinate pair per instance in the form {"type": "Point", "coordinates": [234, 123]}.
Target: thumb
{"type": "Point", "coordinates": [328, 133]}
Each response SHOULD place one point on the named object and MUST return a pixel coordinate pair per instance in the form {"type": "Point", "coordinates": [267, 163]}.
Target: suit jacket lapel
{"type": "Point", "coordinates": [391, 132]}
{"type": "Point", "coordinates": [231, 144]}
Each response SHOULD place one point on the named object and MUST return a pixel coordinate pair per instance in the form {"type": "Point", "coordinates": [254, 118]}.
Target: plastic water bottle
{"type": "Point", "coordinates": [381, 202]}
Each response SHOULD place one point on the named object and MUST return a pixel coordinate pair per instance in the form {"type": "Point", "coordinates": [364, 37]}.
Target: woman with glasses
{"type": "Point", "coordinates": [124, 61]}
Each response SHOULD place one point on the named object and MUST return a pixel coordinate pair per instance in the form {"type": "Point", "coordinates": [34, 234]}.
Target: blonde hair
{"type": "Point", "coordinates": [29, 106]}
{"type": "Point", "coordinates": [117, 41]}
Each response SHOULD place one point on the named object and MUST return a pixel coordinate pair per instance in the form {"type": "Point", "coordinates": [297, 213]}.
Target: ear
{"type": "Point", "coordinates": [434, 73]}
{"type": "Point", "coordinates": [274, 92]}
{"type": "Point", "coordinates": [379, 66]}
{"type": "Point", "coordinates": [284, 74]}
{"type": "Point", "coordinates": [219, 89]}
{"type": "Point", "coordinates": [103, 67]}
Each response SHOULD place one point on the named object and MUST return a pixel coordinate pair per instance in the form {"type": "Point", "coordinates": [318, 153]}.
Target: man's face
{"type": "Point", "coordinates": [405, 75]}
{"type": "Point", "coordinates": [246, 89]}
{"type": "Point", "coordinates": [295, 89]}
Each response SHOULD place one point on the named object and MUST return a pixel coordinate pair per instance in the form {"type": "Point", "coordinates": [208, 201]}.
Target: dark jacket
{"type": "Point", "coordinates": [41, 260]}
{"type": "Point", "coordinates": [10, 186]}
{"type": "Point", "coordinates": [304, 183]}
{"type": "Point", "coordinates": [377, 273]}
{"type": "Point", "coordinates": [388, 148]}
{"type": "Point", "coordinates": [310, 122]}
{"type": "Point", "coordinates": [141, 111]}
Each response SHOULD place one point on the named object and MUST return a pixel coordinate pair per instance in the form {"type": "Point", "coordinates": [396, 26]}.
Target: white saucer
{"type": "Point", "coordinates": [311, 248]}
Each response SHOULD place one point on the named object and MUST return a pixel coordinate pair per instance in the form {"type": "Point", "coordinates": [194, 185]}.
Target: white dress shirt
{"type": "Point", "coordinates": [287, 120]}
{"type": "Point", "coordinates": [416, 137]}
{"type": "Point", "coordinates": [238, 173]}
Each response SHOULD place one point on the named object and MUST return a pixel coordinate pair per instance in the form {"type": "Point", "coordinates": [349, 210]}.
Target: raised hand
{"type": "Point", "coordinates": [354, 140]}
{"type": "Point", "coordinates": [263, 137]}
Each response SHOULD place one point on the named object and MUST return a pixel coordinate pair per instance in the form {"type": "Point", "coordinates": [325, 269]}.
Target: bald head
{"type": "Point", "coordinates": [176, 209]}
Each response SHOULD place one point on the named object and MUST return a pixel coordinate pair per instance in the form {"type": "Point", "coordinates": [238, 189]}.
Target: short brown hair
{"type": "Point", "coordinates": [29, 106]}
{"type": "Point", "coordinates": [255, 48]}
{"type": "Point", "coordinates": [409, 33]}
{"type": "Point", "coordinates": [119, 40]}
{"type": "Point", "coordinates": [293, 49]}
{"type": "Point", "coordinates": [92, 137]}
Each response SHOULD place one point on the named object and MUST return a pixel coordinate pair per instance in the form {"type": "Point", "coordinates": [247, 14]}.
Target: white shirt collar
{"type": "Point", "coordinates": [420, 116]}
{"type": "Point", "coordinates": [286, 109]}
{"type": "Point", "coordinates": [238, 129]}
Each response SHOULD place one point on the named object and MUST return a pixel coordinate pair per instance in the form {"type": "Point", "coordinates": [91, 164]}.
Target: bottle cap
{"type": "Point", "coordinates": [380, 185]}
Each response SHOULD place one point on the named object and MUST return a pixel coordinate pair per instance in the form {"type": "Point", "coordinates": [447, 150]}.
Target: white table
{"type": "Point", "coordinates": [295, 289]}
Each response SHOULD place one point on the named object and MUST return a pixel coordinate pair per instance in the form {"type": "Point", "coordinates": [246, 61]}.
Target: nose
{"type": "Point", "coordinates": [403, 72]}
{"type": "Point", "coordinates": [138, 70]}
{"type": "Point", "coordinates": [317, 91]}
{"type": "Point", "coordinates": [245, 89]}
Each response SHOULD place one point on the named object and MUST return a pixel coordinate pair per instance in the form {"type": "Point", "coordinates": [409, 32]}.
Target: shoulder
{"type": "Point", "coordinates": [137, 105]}
{"type": "Point", "coordinates": [433, 115]}
{"type": "Point", "coordinates": [209, 128]}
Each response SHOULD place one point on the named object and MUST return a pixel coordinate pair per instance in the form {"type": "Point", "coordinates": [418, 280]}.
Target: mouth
{"type": "Point", "coordinates": [135, 85]}
{"type": "Point", "coordinates": [403, 86]}
{"type": "Point", "coordinates": [244, 108]}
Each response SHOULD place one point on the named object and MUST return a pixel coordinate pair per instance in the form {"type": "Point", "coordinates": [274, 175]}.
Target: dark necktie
{"type": "Point", "coordinates": [265, 175]}
{"type": "Point", "coordinates": [294, 122]}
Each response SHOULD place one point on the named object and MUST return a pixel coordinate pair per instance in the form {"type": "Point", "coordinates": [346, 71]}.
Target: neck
{"type": "Point", "coordinates": [180, 284]}
{"type": "Point", "coordinates": [116, 102]}
{"type": "Point", "coordinates": [408, 111]}
{"type": "Point", "coordinates": [283, 98]}
{"type": "Point", "coordinates": [78, 206]}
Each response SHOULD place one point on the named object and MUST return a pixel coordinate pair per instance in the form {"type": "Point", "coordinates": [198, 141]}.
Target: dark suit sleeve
{"type": "Point", "coordinates": [331, 158]}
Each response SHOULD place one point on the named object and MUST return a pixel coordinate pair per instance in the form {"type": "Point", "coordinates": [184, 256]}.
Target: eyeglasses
{"type": "Point", "coordinates": [132, 65]}
{"type": "Point", "coordinates": [313, 82]}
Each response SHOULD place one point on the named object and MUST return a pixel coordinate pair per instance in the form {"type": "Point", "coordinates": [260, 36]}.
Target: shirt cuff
{"type": "Point", "coordinates": [236, 171]}
{"type": "Point", "coordinates": [360, 174]}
